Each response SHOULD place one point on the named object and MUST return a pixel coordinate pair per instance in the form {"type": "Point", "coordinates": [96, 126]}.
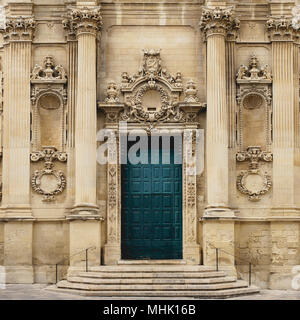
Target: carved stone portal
{"type": "Point", "coordinates": [152, 100]}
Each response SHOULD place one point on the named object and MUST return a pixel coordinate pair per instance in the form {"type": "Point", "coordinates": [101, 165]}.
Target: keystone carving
{"type": "Point", "coordinates": [49, 155]}
{"type": "Point", "coordinates": [218, 21]}
{"type": "Point", "coordinates": [253, 182]}
{"type": "Point", "coordinates": [18, 28]}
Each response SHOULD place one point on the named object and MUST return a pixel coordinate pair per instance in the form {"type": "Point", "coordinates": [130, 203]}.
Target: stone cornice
{"type": "Point", "coordinates": [18, 28]}
{"type": "Point", "coordinates": [281, 29]}
{"type": "Point", "coordinates": [82, 20]}
{"type": "Point", "coordinates": [218, 21]}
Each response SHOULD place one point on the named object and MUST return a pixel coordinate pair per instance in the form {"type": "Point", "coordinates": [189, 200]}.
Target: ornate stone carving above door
{"type": "Point", "coordinates": [152, 95]}
{"type": "Point", "coordinates": [153, 99]}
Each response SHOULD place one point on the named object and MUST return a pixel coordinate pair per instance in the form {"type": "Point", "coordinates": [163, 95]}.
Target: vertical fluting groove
{"type": "Point", "coordinates": [19, 124]}
{"type": "Point", "coordinates": [85, 132]}
{"type": "Point", "coordinates": [283, 122]}
{"type": "Point", "coordinates": [217, 123]}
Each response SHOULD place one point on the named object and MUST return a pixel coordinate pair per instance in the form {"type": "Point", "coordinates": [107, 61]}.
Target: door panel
{"type": "Point", "coordinates": [152, 210]}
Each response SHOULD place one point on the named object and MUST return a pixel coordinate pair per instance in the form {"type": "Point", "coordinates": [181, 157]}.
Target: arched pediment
{"type": "Point", "coordinates": [152, 94]}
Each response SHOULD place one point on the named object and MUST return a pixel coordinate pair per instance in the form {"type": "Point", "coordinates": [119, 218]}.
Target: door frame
{"type": "Point", "coordinates": [190, 244]}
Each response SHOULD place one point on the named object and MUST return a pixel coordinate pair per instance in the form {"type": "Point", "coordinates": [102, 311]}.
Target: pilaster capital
{"type": "Point", "coordinates": [18, 28]}
{"type": "Point", "coordinates": [282, 29]}
{"type": "Point", "coordinates": [218, 21]}
{"type": "Point", "coordinates": [82, 20]}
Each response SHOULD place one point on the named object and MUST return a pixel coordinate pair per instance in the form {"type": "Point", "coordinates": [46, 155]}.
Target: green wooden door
{"type": "Point", "coordinates": [152, 210]}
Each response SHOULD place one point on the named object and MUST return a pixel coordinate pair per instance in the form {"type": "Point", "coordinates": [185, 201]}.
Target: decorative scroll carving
{"type": "Point", "coordinates": [134, 109]}
{"type": "Point", "coordinates": [190, 189]}
{"type": "Point", "coordinates": [254, 72]}
{"type": "Point", "coordinates": [18, 28]}
{"type": "Point", "coordinates": [152, 71]}
{"type": "Point", "coordinates": [48, 91]}
{"type": "Point", "coordinates": [49, 155]}
{"type": "Point", "coordinates": [163, 90]}
{"type": "Point", "coordinates": [282, 29]}
{"type": "Point", "coordinates": [113, 191]}
{"type": "Point", "coordinates": [85, 20]}
{"type": "Point", "coordinates": [112, 198]}
{"type": "Point", "coordinates": [49, 72]}
{"type": "Point", "coordinates": [261, 183]}
{"type": "Point", "coordinates": [218, 21]}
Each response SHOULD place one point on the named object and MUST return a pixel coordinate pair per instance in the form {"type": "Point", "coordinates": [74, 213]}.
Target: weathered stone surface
{"type": "Point", "coordinates": [68, 71]}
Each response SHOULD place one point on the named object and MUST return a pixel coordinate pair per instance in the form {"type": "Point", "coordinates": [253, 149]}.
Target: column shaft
{"type": "Point", "coordinates": [85, 122]}
{"type": "Point", "coordinates": [16, 142]}
{"type": "Point", "coordinates": [217, 124]}
{"type": "Point", "coordinates": [283, 123]}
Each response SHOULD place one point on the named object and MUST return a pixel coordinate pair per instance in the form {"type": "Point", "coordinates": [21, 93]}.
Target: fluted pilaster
{"type": "Point", "coordinates": [17, 34]}
{"type": "Point", "coordinates": [216, 23]}
{"type": "Point", "coordinates": [283, 56]}
{"type": "Point", "coordinates": [85, 23]}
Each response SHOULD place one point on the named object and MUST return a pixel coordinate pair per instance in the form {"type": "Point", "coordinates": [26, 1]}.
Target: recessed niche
{"type": "Point", "coordinates": [50, 119]}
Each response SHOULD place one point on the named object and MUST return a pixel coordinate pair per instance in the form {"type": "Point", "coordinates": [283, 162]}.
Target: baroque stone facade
{"type": "Point", "coordinates": [227, 68]}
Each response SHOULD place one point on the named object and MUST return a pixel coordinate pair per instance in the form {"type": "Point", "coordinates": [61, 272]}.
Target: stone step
{"type": "Point", "coordinates": [218, 294]}
{"type": "Point", "coordinates": [152, 268]}
{"type": "Point", "coordinates": [118, 281]}
{"type": "Point", "coordinates": [152, 287]}
{"type": "Point", "coordinates": [138, 275]}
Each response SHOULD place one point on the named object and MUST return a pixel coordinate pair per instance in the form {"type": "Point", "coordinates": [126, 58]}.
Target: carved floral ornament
{"type": "Point", "coordinates": [282, 28]}
{"type": "Point", "coordinates": [49, 79]}
{"type": "Point", "coordinates": [152, 78]}
{"type": "Point", "coordinates": [18, 28]}
{"type": "Point", "coordinates": [253, 182]}
{"type": "Point", "coordinates": [83, 20]}
{"type": "Point", "coordinates": [49, 155]}
{"type": "Point", "coordinates": [254, 84]}
{"type": "Point", "coordinates": [218, 21]}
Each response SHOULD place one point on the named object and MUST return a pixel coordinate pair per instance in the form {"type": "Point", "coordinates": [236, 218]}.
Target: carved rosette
{"type": "Point", "coordinates": [281, 29]}
{"type": "Point", "coordinates": [18, 28]}
{"type": "Point", "coordinates": [253, 182]}
{"type": "Point", "coordinates": [218, 21]}
{"type": "Point", "coordinates": [49, 155]}
{"type": "Point", "coordinates": [83, 20]}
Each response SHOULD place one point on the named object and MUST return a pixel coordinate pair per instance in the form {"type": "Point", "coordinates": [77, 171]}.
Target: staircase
{"type": "Point", "coordinates": [145, 280]}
